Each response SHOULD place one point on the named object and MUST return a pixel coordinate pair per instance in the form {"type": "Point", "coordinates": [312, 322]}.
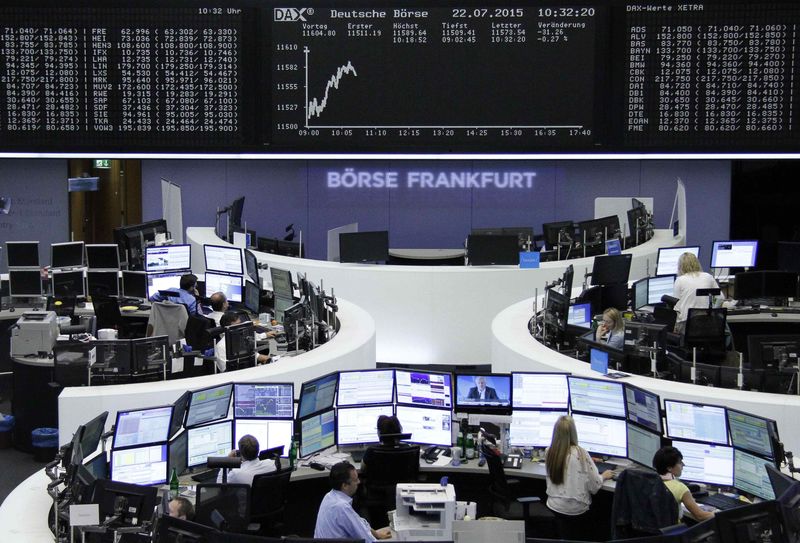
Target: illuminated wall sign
{"type": "Point", "coordinates": [351, 178]}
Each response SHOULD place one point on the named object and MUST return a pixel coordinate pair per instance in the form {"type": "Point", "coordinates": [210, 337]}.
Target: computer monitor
{"type": "Point", "coordinates": [642, 445]}
{"type": "Point", "coordinates": [165, 258]}
{"type": "Point", "coordinates": [365, 387]}
{"type": "Point", "coordinates": [755, 522]}
{"type": "Point", "coordinates": [696, 421]}
{"type": "Point", "coordinates": [251, 266]}
{"type": "Point", "coordinates": [179, 413]}
{"type": "Point", "coordinates": [215, 439]}
{"type": "Point", "coordinates": [24, 283]}
{"type": "Point", "coordinates": [133, 239]}
{"type": "Point", "coordinates": [318, 432]}
{"type": "Point", "coordinates": [68, 283]}
{"type": "Point", "coordinates": [92, 431]}
{"type": "Point", "coordinates": [644, 408]}
{"type": "Point", "coordinates": [263, 400]}
{"type": "Point", "coordinates": [290, 248]}
{"type": "Point", "coordinates": [751, 433]}
{"type": "Point", "coordinates": [358, 425]}
{"type": "Point", "coordinates": [267, 245]}
{"type": "Point", "coordinates": [667, 263]}
{"type": "Point", "coordinates": [580, 315]}
{"type": "Point", "coordinates": [650, 290]}
{"type": "Point", "coordinates": [427, 426]}
{"type": "Point", "coordinates": [112, 359]}
{"type": "Point", "coordinates": [149, 354]}
{"type": "Point", "coordinates": [269, 433]}
{"type": "Point", "coordinates": [235, 211]}
{"type": "Point", "coordinates": [492, 250]}
{"type": "Point", "coordinates": [252, 297]}
{"type": "Point", "coordinates": [317, 395]}
{"type": "Point", "coordinates": [178, 447]}
{"type": "Point", "coordinates": [611, 269]}
{"type": "Point", "coordinates": [644, 335]}
{"type": "Point", "coordinates": [163, 281]}
{"type": "Point", "coordinates": [734, 254]}
{"type": "Point", "coordinates": [143, 465]}
{"type": "Point", "coordinates": [773, 351]}
{"type": "Point", "coordinates": [142, 426]}
{"type": "Point", "coordinates": [102, 283]}
{"type": "Point", "coordinates": [364, 246]}
{"type": "Point", "coordinates": [553, 232]}
{"type": "Point", "coordinates": [706, 462]}
{"type": "Point", "coordinates": [597, 231]}
{"type": "Point", "coordinates": [134, 284]}
{"type": "Point", "coordinates": [424, 388]}
{"type": "Point", "coordinates": [224, 259]}
{"type": "Point", "coordinates": [232, 286]}
{"type": "Point", "coordinates": [97, 466]}
{"type": "Point", "coordinates": [750, 474]}
{"type": "Point", "coordinates": [102, 256]}
{"type": "Point", "coordinates": [209, 404]}
{"type": "Point", "coordinates": [483, 393]}
{"type": "Point", "coordinates": [602, 435]}
{"type": "Point", "coordinates": [66, 255]}
{"type": "Point", "coordinates": [539, 391]}
{"type": "Point", "coordinates": [789, 256]}
{"type": "Point", "coordinates": [140, 500]}
{"type": "Point", "coordinates": [532, 428]}
{"type": "Point", "coordinates": [282, 283]}
{"type": "Point", "coordinates": [22, 254]}
{"type": "Point", "coordinates": [597, 396]}
{"type": "Point", "coordinates": [781, 482]}
{"type": "Point", "coordinates": [556, 307]}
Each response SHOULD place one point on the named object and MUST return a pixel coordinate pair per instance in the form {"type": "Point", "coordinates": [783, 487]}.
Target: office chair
{"type": "Point", "coordinates": [268, 495]}
{"type": "Point", "coordinates": [106, 311]}
{"type": "Point", "coordinates": [382, 469]}
{"type": "Point", "coordinates": [167, 319]}
{"type": "Point", "coordinates": [507, 503]}
{"type": "Point", "coordinates": [201, 334]}
{"type": "Point", "coordinates": [642, 505]}
{"type": "Point", "coordinates": [705, 329]}
{"type": "Point", "coordinates": [223, 506]}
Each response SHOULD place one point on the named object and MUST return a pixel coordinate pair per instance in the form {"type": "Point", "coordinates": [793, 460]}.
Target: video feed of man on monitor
{"type": "Point", "coordinates": [483, 390]}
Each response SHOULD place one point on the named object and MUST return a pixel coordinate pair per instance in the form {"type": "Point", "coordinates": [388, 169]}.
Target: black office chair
{"type": "Point", "coordinates": [382, 469]}
{"type": "Point", "coordinates": [223, 506]}
{"type": "Point", "coordinates": [268, 495]}
{"type": "Point", "coordinates": [705, 330]}
{"type": "Point", "coordinates": [642, 505]}
{"type": "Point", "coordinates": [508, 503]}
{"type": "Point", "coordinates": [107, 313]}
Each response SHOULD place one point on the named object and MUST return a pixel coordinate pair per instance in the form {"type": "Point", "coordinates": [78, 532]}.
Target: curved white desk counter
{"type": "Point", "coordinates": [23, 515]}
{"type": "Point", "coordinates": [353, 347]}
{"type": "Point", "coordinates": [433, 314]}
{"type": "Point", "coordinates": [514, 349]}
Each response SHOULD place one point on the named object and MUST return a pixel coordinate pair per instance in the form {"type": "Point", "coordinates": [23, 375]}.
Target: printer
{"type": "Point", "coordinates": [35, 332]}
{"type": "Point", "coordinates": [425, 512]}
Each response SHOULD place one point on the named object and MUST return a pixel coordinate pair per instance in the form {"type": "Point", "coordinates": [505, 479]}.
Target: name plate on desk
{"type": "Point", "coordinates": [528, 259]}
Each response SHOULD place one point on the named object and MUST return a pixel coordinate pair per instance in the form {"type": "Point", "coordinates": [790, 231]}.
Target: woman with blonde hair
{"type": "Point", "coordinates": [612, 329]}
{"type": "Point", "coordinates": [690, 278]}
{"type": "Point", "coordinates": [572, 478]}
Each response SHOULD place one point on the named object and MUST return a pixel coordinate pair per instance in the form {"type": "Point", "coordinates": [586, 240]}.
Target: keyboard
{"type": "Point", "coordinates": [604, 466]}
{"type": "Point", "coordinates": [205, 476]}
{"type": "Point", "coordinates": [721, 501]}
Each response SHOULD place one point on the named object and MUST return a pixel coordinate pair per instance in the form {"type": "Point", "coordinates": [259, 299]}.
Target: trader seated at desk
{"type": "Point", "coordinates": [251, 465]}
{"type": "Point", "coordinates": [336, 517]}
{"type": "Point", "coordinates": [668, 462]}
{"type": "Point", "coordinates": [220, 349]}
{"type": "Point", "coordinates": [219, 305]}
{"type": "Point", "coordinates": [691, 277]}
{"type": "Point", "coordinates": [611, 330]}
{"type": "Point", "coordinates": [389, 428]}
{"type": "Point", "coordinates": [181, 508]}
{"type": "Point", "coordinates": [187, 293]}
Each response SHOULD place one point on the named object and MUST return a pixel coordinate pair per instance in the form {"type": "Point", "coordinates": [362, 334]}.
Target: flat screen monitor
{"type": "Point", "coordinates": [232, 286]}
{"type": "Point", "coordinates": [696, 421]}
{"type": "Point", "coordinates": [641, 335]}
{"type": "Point", "coordinates": [251, 266]}
{"type": "Point", "coordinates": [789, 256]}
{"type": "Point", "coordinates": [235, 211]}
{"type": "Point", "coordinates": [706, 462]}
{"type": "Point", "coordinates": [141, 500]}
{"type": "Point", "coordinates": [485, 250]}
{"type": "Point", "coordinates": [263, 400]}
{"type": "Point", "coordinates": [142, 426]}
{"type": "Point", "coordinates": [24, 283]}
{"type": "Point", "coordinates": [734, 254]}
{"type": "Point", "coordinates": [179, 413]}
{"type": "Point", "coordinates": [177, 451]}
{"type": "Point", "coordinates": [597, 231]}
{"type": "Point", "coordinates": [539, 391]}
{"type": "Point", "coordinates": [145, 465]}
{"type": "Point", "coordinates": [92, 431]}
{"type": "Point", "coordinates": [290, 248]}
{"type": "Point", "coordinates": [427, 426]}
{"type": "Point", "coordinates": [597, 396]}
{"type": "Point", "coordinates": [252, 297]}
{"type": "Point", "coordinates": [223, 259]}
{"type": "Point", "coordinates": [133, 239]}
{"type": "Point", "coordinates": [483, 393]}
{"type": "Point", "coordinates": [763, 521]}
{"type": "Point", "coordinates": [282, 283]}
{"type": "Point", "coordinates": [611, 269]}
{"type": "Point", "coordinates": [532, 428]}
{"type": "Point", "coordinates": [134, 284]}
{"type": "Point", "coordinates": [650, 290]}
{"type": "Point", "coordinates": [68, 283]}
{"type": "Point", "coordinates": [556, 306]}
{"type": "Point", "coordinates": [66, 255]}
{"type": "Point", "coordinates": [562, 231]}
{"type": "Point", "coordinates": [750, 475]}
{"type": "Point", "coordinates": [317, 432]}
{"type": "Point", "coordinates": [602, 435]}
{"type": "Point", "coordinates": [751, 433]}
{"type": "Point", "coordinates": [765, 284]}
{"type": "Point", "coordinates": [267, 245]}
{"type": "Point", "coordinates": [112, 358]}
{"type": "Point", "coordinates": [211, 440]}
{"type": "Point", "coordinates": [22, 254]}
{"type": "Point", "coordinates": [149, 354]}
{"type": "Point", "coordinates": [773, 351]}
{"type": "Point", "coordinates": [163, 281]}
{"type": "Point", "coordinates": [269, 433]}
{"type": "Point", "coordinates": [642, 445]}
{"type": "Point", "coordinates": [365, 387]}
{"type": "Point", "coordinates": [103, 256]}
{"type": "Point", "coordinates": [781, 482]}
{"type": "Point", "coordinates": [667, 263]}
{"type": "Point", "coordinates": [209, 404]}
{"type": "Point", "coordinates": [164, 258]}
{"type": "Point", "coordinates": [644, 408]}
{"type": "Point", "coordinates": [424, 388]}
{"type": "Point", "coordinates": [317, 395]}
{"type": "Point", "coordinates": [639, 298]}
{"type": "Point", "coordinates": [359, 425]}
{"type": "Point", "coordinates": [364, 246]}
{"type": "Point", "coordinates": [580, 315]}
{"type": "Point", "coordinates": [102, 283]}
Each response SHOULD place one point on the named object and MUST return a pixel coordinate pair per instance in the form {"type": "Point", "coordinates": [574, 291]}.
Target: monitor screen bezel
{"type": "Point", "coordinates": [390, 398]}
{"type": "Point", "coordinates": [571, 378]}
{"type": "Point", "coordinates": [660, 423]}
{"type": "Point", "coordinates": [262, 383]}
{"type": "Point", "coordinates": [481, 408]}
{"type": "Point", "coordinates": [65, 244]}
{"type": "Point", "coordinates": [58, 272]}
{"type": "Point", "coordinates": [669, 435]}
{"type": "Point", "coordinates": [332, 375]}
{"type": "Point", "coordinates": [102, 247]}
{"type": "Point", "coordinates": [20, 242]}
{"type": "Point", "coordinates": [715, 245]}
{"type": "Point", "coordinates": [539, 407]}
{"type": "Point", "coordinates": [230, 248]}
{"type": "Point", "coordinates": [411, 403]}
{"type": "Point", "coordinates": [683, 248]}
{"type": "Point", "coordinates": [200, 390]}
{"type": "Point", "coordinates": [122, 412]}
{"type": "Point", "coordinates": [122, 450]}
{"type": "Point", "coordinates": [148, 250]}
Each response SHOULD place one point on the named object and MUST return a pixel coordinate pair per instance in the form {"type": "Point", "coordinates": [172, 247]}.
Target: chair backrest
{"type": "Point", "coordinates": [642, 504]}
{"type": "Point", "coordinates": [387, 467]}
{"type": "Point", "coordinates": [196, 332]}
{"type": "Point", "coordinates": [107, 312]}
{"type": "Point", "coordinates": [665, 315]}
{"type": "Point", "coordinates": [224, 506]}
{"type": "Point", "coordinates": [706, 328]}
{"type": "Point", "coordinates": [269, 493]}
{"type": "Point", "coordinates": [497, 474]}
{"type": "Point", "coordinates": [167, 319]}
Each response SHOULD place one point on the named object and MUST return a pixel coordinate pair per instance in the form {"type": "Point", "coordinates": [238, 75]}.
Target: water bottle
{"type": "Point", "coordinates": [174, 487]}
{"type": "Point", "coordinates": [293, 455]}
{"type": "Point", "coordinates": [470, 447]}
